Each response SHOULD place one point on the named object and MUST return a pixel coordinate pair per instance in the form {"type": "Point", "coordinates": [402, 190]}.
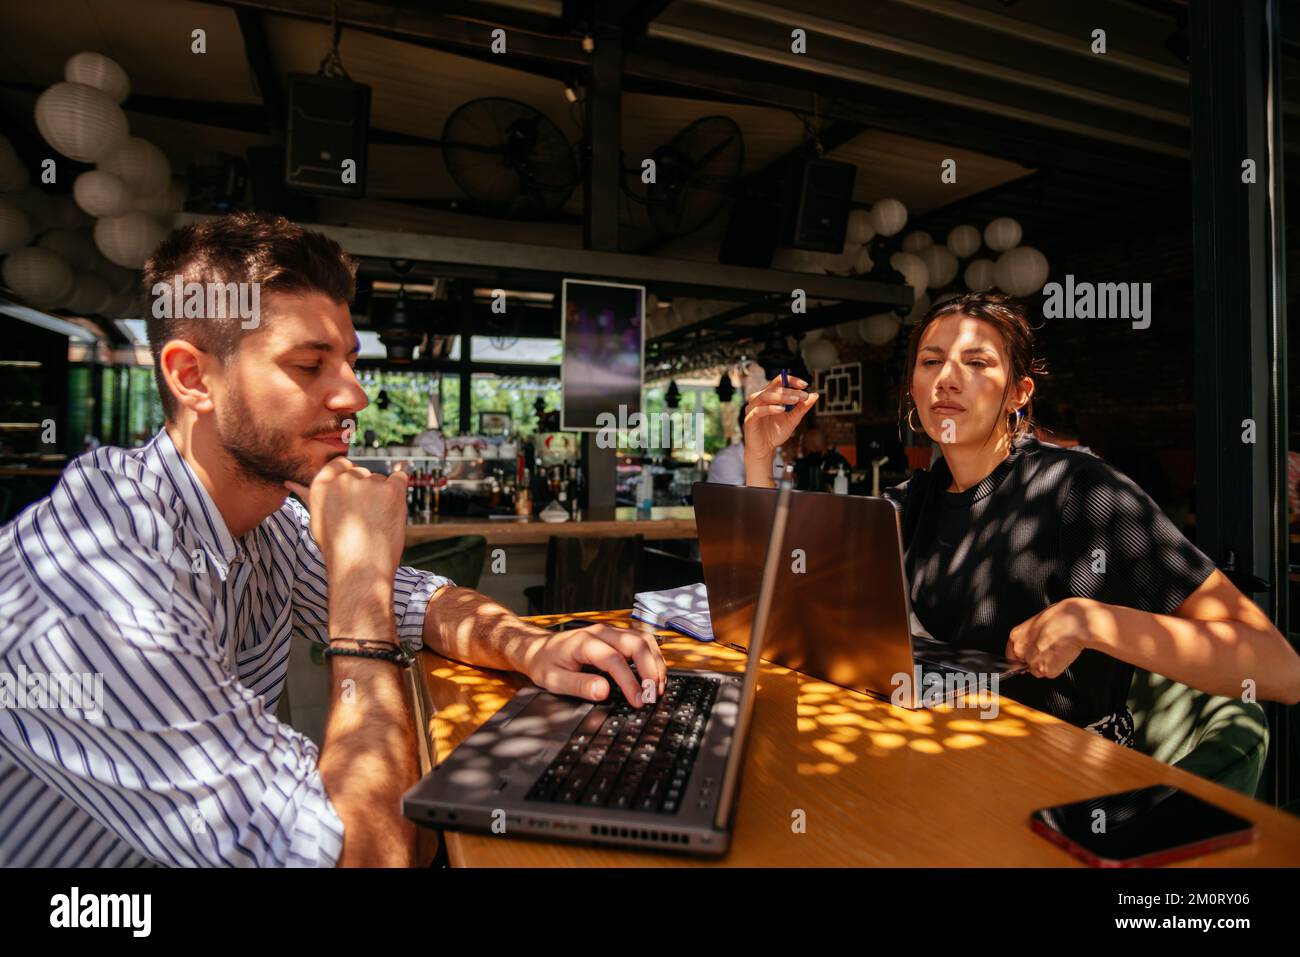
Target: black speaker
{"type": "Point", "coordinates": [328, 121]}
{"type": "Point", "coordinates": [820, 205]}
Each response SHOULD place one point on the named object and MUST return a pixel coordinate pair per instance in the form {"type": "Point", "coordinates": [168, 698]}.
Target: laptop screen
{"type": "Point", "coordinates": [762, 612]}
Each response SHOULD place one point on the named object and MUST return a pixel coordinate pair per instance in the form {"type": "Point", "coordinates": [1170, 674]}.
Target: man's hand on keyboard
{"type": "Point", "coordinates": [556, 664]}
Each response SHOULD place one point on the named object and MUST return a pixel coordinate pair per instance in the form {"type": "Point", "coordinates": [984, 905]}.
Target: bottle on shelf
{"type": "Point", "coordinates": [841, 482]}
{"type": "Point", "coordinates": [645, 496]}
{"type": "Point", "coordinates": [523, 496]}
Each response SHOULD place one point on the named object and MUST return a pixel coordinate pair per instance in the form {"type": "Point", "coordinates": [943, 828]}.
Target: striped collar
{"type": "Point", "coordinates": [161, 457]}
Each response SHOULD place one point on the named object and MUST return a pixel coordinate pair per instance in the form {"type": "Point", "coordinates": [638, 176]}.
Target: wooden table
{"type": "Point", "coordinates": [877, 785]}
{"type": "Point", "coordinates": [664, 523]}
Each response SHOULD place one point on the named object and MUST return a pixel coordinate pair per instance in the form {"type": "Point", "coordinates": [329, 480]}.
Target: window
{"type": "Point", "coordinates": [494, 349]}
{"type": "Point", "coordinates": [516, 395]}
{"type": "Point", "coordinates": [695, 398]}
{"type": "Point", "coordinates": [410, 396]}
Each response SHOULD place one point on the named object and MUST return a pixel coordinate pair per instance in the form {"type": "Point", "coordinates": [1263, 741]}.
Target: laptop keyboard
{"type": "Point", "coordinates": [632, 758]}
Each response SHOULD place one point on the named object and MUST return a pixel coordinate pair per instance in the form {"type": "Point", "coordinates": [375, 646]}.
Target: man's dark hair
{"type": "Point", "coordinates": [278, 255]}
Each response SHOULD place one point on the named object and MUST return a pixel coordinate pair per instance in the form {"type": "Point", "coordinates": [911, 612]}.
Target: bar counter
{"type": "Point", "coordinates": [676, 521]}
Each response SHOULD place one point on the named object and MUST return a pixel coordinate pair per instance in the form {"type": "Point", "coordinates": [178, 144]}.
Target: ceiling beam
{"type": "Point", "coordinates": [947, 90]}
{"type": "Point", "coordinates": [543, 267]}
{"type": "Point", "coordinates": [911, 42]}
{"type": "Point", "coordinates": [465, 30]}
{"type": "Point", "coordinates": [257, 51]}
{"type": "Point", "coordinates": [661, 68]}
{"type": "Point", "coordinates": [245, 117]}
{"type": "Point", "coordinates": [639, 15]}
{"type": "Point", "coordinates": [1022, 29]}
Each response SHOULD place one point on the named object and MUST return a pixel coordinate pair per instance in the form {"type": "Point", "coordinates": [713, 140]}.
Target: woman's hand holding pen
{"type": "Point", "coordinates": [768, 425]}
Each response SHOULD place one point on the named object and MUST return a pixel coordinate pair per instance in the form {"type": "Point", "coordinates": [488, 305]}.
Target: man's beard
{"type": "Point", "coordinates": [262, 452]}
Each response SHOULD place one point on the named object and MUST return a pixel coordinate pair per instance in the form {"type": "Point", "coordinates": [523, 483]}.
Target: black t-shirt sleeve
{"type": "Point", "coordinates": [1118, 547]}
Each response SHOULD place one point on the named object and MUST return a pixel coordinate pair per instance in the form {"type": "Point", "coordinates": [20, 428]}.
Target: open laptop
{"type": "Point", "coordinates": [840, 611]}
{"type": "Point", "coordinates": [665, 776]}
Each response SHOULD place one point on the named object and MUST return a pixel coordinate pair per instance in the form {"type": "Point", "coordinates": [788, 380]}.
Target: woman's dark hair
{"type": "Point", "coordinates": [243, 247]}
{"type": "Point", "coordinates": [1007, 316]}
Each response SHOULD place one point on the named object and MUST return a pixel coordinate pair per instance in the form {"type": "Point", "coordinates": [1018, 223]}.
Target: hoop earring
{"type": "Point", "coordinates": [914, 428]}
{"type": "Point", "coordinates": [1014, 426]}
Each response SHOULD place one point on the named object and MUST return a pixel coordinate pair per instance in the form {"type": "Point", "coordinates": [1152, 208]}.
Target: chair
{"type": "Point", "coordinates": [1222, 739]}
{"type": "Point", "coordinates": [459, 558]}
{"type": "Point", "coordinates": [661, 569]}
{"type": "Point", "coordinates": [587, 574]}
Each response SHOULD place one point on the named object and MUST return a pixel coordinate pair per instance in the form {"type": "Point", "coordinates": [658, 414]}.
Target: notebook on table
{"type": "Point", "coordinates": [684, 609]}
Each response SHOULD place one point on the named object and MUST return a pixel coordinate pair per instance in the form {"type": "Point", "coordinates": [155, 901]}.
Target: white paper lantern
{"type": "Point", "coordinates": [164, 206]}
{"type": "Point", "coordinates": [1002, 234]}
{"type": "Point", "coordinates": [42, 278]}
{"type": "Point", "coordinates": [888, 216]}
{"type": "Point", "coordinates": [860, 229]}
{"type": "Point", "coordinates": [90, 296]}
{"type": "Point", "coordinates": [980, 276]}
{"type": "Point", "coordinates": [101, 193]}
{"type": "Point", "coordinates": [919, 310]}
{"type": "Point", "coordinates": [848, 331]}
{"type": "Point", "coordinates": [941, 263]}
{"type": "Point", "coordinates": [129, 239]}
{"type": "Point", "coordinates": [97, 70]}
{"type": "Point", "coordinates": [864, 263]}
{"type": "Point", "coordinates": [13, 174]}
{"type": "Point", "coordinates": [880, 329]}
{"type": "Point", "coordinates": [1021, 271]}
{"type": "Point", "coordinates": [140, 165]}
{"type": "Point", "coordinates": [15, 227]}
{"type": "Point", "coordinates": [75, 247]}
{"type": "Point", "coordinates": [820, 354]}
{"type": "Point", "coordinates": [79, 121]}
{"type": "Point", "coordinates": [914, 272]}
{"type": "Point", "coordinates": [964, 241]}
{"type": "Point", "coordinates": [916, 241]}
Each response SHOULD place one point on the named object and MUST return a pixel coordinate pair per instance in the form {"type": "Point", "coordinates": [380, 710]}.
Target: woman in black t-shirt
{"type": "Point", "coordinates": [1039, 553]}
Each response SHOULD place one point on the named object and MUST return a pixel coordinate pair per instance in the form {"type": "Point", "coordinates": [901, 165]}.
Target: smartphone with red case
{"type": "Point", "coordinates": [1147, 827]}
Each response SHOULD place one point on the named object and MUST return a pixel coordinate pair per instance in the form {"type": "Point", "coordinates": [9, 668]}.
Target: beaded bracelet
{"type": "Point", "coordinates": [393, 653]}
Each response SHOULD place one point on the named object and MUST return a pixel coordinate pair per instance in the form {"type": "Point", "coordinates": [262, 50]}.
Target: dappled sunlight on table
{"type": "Point", "coordinates": [875, 784]}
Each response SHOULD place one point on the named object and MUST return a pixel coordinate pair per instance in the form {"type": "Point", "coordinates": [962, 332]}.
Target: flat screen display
{"type": "Point", "coordinates": [604, 352]}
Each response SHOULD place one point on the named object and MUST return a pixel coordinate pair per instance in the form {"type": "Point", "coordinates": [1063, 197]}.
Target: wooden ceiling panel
{"type": "Point", "coordinates": [150, 39]}
{"type": "Point", "coordinates": [908, 169]}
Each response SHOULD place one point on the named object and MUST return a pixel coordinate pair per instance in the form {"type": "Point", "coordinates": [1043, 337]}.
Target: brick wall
{"type": "Point", "coordinates": [1127, 387]}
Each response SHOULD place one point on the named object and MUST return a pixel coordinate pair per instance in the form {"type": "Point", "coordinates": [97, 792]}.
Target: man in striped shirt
{"type": "Point", "coordinates": [180, 570]}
